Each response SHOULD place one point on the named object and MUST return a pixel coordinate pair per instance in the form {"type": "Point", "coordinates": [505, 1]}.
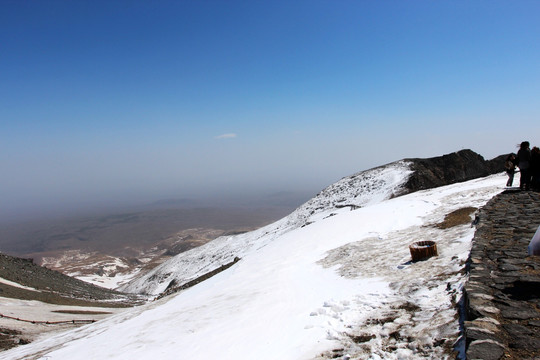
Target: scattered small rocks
{"type": "Point", "coordinates": [10, 338]}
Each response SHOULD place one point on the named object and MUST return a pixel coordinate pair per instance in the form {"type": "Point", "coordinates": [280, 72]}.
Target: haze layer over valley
{"type": "Point", "coordinates": [109, 248]}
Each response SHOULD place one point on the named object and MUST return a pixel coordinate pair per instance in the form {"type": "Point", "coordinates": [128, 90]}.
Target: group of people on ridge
{"type": "Point", "coordinates": [528, 162]}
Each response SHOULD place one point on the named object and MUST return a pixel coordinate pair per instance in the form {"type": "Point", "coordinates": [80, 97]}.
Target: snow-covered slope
{"type": "Point", "coordinates": [352, 192]}
{"type": "Point", "coordinates": [341, 287]}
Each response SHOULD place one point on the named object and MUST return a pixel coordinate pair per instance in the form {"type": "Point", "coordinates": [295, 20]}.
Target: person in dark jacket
{"type": "Point", "coordinates": [535, 168]}
{"type": "Point", "coordinates": [510, 166]}
{"type": "Point", "coordinates": [523, 161]}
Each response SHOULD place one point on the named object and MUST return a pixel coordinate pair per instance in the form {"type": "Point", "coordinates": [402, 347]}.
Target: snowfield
{"type": "Point", "coordinates": [332, 280]}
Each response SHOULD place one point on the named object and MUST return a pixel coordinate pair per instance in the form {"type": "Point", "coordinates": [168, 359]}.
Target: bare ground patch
{"type": "Point", "coordinates": [10, 338]}
{"type": "Point", "coordinates": [457, 217]}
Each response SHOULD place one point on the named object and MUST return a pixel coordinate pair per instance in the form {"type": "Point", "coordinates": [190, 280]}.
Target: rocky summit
{"type": "Point", "coordinates": [451, 168]}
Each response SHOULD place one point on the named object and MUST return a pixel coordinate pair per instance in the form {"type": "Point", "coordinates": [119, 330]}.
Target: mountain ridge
{"type": "Point", "coordinates": [450, 168]}
{"type": "Point", "coordinates": [36, 282]}
{"type": "Point", "coordinates": [349, 193]}
{"type": "Point", "coordinates": [340, 284]}
{"type": "Point", "coordinates": [331, 212]}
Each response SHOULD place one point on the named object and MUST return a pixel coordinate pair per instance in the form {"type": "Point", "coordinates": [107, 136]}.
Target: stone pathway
{"type": "Point", "coordinates": [503, 292]}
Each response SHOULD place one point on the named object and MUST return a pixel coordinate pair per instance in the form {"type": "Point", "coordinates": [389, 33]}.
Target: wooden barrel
{"type": "Point", "coordinates": [422, 250]}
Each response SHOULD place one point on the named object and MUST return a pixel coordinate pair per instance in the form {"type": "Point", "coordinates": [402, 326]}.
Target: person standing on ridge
{"type": "Point", "coordinates": [510, 166]}
{"type": "Point", "coordinates": [523, 161]}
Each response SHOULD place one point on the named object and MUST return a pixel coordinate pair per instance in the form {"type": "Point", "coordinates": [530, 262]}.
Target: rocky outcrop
{"type": "Point", "coordinates": [451, 168]}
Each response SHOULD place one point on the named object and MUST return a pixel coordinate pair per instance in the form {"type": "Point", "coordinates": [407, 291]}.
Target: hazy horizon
{"type": "Point", "coordinates": [61, 211]}
{"type": "Point", "coordinates": [111, 104]}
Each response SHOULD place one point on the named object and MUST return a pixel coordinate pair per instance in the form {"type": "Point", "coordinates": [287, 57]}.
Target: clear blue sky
{"type": "Point", "coordinates": [133, 101]}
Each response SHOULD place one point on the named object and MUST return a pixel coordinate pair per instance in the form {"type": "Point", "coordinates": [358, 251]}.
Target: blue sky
{"type": "Point", "coordinates": [105, 102]}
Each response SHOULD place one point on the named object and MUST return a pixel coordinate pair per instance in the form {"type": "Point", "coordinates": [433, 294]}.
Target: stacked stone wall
{"type": "Point", "coordinates": [502, 296]}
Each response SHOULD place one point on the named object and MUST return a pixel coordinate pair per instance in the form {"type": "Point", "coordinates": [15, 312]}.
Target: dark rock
{"type": "Point", "coordinates": [474, 333]}
{"type": "Point", "coordinates": [520, 261]}
{"type": "Point", "coordinates": [523, 313]}
{"type": "Point", "coordinates": [517, 330]}
{"type": "Point", "coordinates": [362, 338]}
{"type": "Point", "coordinates": [451, 168]}
{"type": "Point", "coordinates": [524, 342]}
{"type": "Point", "coordinates": [507, 267]}
{"type": "Point", "coordinates": [524, 289]}
{"type": "Point", "coordinates": [486, 350]}
{"type": "Point", "coordinates": [504, 280]}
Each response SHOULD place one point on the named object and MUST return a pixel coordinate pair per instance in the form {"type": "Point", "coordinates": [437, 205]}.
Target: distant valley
{"type": "Point", "coordinates": [109, 249]}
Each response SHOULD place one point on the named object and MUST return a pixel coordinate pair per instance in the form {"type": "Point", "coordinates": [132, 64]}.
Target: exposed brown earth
{"type": "Point", "coordinates": [458, 217]}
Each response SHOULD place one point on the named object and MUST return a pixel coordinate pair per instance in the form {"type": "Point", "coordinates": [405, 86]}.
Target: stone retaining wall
{"type": "Point", "coordinates": [502, 296]}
